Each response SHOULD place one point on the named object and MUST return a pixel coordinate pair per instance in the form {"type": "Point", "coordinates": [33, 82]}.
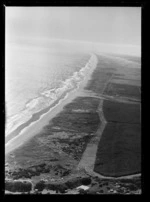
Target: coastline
{"type": "Point", "coordinates": [35, 117]}
{"type": "Point", "coordinates": [82, 136]}
{"type": "Point", "coordinates": [33, 126]}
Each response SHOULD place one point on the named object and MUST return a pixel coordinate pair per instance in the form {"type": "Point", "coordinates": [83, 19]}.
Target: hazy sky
{"type": "Point", "coordinates": [116, 25]}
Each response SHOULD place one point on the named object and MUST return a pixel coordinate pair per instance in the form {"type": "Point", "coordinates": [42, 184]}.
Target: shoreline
{"type": "Point", "coordinates": [69, 84]}
{"type": "Point", "coordinates": [33, 126]}
{"type": "Point", "coordinates": [83, 136]}
{"type": "Point", "coordinates": [35, 117]}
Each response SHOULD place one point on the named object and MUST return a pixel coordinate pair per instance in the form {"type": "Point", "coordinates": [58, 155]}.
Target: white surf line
{"type": "Point", "coordinates": [82, 72]}
{"type": "Point", "coordinates": [36, 127]}
{"type": "Point", "coordinates": [52, 113]}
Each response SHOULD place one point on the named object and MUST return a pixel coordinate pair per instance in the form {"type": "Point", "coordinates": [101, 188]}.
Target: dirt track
{"type": "Point", "coordinates": [89, 156]}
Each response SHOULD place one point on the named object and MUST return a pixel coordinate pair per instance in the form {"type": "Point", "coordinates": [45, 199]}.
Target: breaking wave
{"type": "Point", "coordinates": [48, 97]}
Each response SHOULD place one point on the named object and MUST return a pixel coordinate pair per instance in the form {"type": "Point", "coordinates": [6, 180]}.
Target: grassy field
{"type": "Point", "coordinates": [57, 149]}
{"type": "Point", "coordinates": [99, 77]}
{"type": "Point", "coordinates": [83, 103]}
{"type": "Point", "coordinates": [55, 152]}
{"type": "Point", "coordinates": [119, 151]}
{"type": "Point", "coordinates": [121, 112]}
{"type": "Point", "coordinates": [124, 90]}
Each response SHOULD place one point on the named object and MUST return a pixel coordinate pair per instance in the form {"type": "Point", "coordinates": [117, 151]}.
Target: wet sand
{"type": "Point", "coordinates": [70, 137]}
{"type": "Point", "coordinates": [24, 133]}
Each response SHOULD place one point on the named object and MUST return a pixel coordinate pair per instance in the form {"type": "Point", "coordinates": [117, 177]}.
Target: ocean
{"type": "Point", "coordinates": [36, 75]}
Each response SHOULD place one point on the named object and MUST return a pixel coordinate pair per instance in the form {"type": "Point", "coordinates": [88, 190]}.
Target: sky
{"type": "Point", "coordinates": [107, 25]}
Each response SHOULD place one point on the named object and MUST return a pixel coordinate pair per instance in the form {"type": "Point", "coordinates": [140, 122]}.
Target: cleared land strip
{"type": "Point", "coordinates": [119, 150]}
{"type": "Point", "coordinates": [89, 156]}
{"type": "Point", "coordinates": [111, 98]}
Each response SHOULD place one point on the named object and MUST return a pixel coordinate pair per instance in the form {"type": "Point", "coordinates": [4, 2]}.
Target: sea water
{"type": "Point", "coordinates": [36, 75]}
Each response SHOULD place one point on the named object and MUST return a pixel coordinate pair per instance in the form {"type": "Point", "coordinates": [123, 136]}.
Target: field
{"type": "Point", "coordinates": [121, 112]}
{"type": "Point", "coordinates": [119, 151]}
{"type": "Point", "coordinates": [124, 90]}
{"type": "Point", "coordinates": [50, 160]}
{"type": "Point", "coordinates": [99, 77]}
{"type": "Point", "coordinates": [58, 148]}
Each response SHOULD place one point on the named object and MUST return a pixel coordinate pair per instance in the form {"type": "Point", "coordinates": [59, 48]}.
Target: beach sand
{"type": "Point", "coordinates": [69, 141]}
{"type": "Point", "coordinates": [35, 126]}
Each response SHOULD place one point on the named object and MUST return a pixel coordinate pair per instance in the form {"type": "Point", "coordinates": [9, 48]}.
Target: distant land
{"type": "Point", "coordinates": [90, 143]}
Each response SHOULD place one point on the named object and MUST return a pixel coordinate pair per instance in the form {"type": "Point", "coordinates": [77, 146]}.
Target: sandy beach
{"type": "Point", "coordinates": [73, 100]}
{"type": "Point", "coordinates": [90, 137]}
{"type": "Point", "coordinates": [35, 125]}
